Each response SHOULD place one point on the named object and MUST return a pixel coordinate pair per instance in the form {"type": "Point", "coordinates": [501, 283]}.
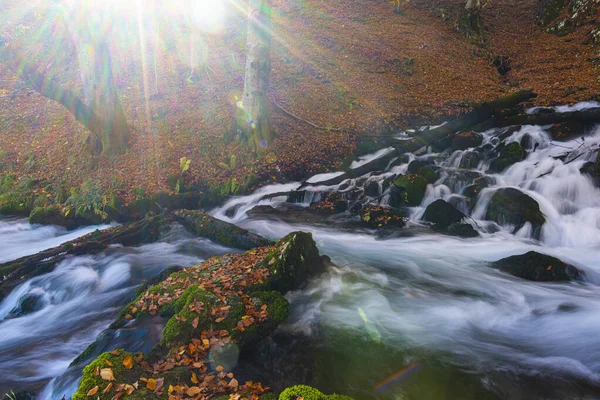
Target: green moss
{"type": "Point", "coordinates": [179, 328]}
{"type": "Point", "coordinates": [428, 173]}
{"type": "Point", "coordinates": [509, 155]}
{"type": "Point", "coordinates": [269, 396]}
{"type": "Point", "coordinates": [309, 393]}
{"type": "Point", "coordinates": [121, 374]}
{"type": "Point", "coordinates": [414, 187]}
{"type": "Point", "coordinates": [550, 11]}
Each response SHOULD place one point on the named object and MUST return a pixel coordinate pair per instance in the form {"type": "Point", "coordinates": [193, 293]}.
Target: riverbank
{"type": "Point", "coordinates": [396, 70]}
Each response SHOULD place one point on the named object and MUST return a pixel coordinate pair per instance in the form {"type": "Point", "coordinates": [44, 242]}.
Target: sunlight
{"type": "Point", "coordinates": [208, 15]}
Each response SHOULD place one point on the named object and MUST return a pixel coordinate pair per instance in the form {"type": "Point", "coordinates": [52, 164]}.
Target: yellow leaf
{"type": "Point", "coordinates": [128, 362]}
{"type": "Point", "coordinates": [151, 384]}
{"type": "Point", "coordinates": [107, 374]}
{"type": "Point", "coordinates": [93, 391]}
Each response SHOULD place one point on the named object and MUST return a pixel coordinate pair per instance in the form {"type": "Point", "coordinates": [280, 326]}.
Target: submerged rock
{"type": "Point", "coordinates": [510, 206]}
{"type": "Point", "coordinates": [448, 219]}
{"type": "Point", "coordinates": [538, 267]}
{"type": "Point", "coordinates": [214, 311]}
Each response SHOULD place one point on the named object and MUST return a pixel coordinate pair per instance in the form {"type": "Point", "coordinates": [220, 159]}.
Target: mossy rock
{"type": "Point", "coordinates": [121, 375]}
{"type": "Point", "coordinates": [429, 174]}
{"type": "Point", "coordinates": [538, 267]}
{"type": "Point", "coordinates": [550, 10]}
{"type": "Point", "coordinates": [308, 393]}
{"type": "Point", "coordinates": [54, 215]}
{"type": "Point", "coordinates": [411, 189]}
{"type": "Point", "coordinates": [508, 155]}
{"type": "Point", "coordinates": [14, 207]}
{"type": "Point", "coordinates": [466, 140]}
{"type": "Point", "coordinates": [416, 165]}
{"type": "Point", "coordinates": [510, 206]}
{"type": "Point", "coordinates": [380, 217]}
{"type": "Point", "coordinates": [442, 214]}
{"type": "Point", "coordinates": [219, 231]}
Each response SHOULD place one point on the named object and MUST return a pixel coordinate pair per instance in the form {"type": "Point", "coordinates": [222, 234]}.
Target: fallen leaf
{"type": "Point", "coordinates": [108, 363]}
{"type": "Point", "coordinates": [233, 383]}
{"type": "Point", "coordinates": [194, 390]}
{"type": "Point", "coordinates": [128, 362]}
{"type": "Point", "coordinates": [151, 384]}
{"type": "Point", "coordinates": [107, 374]}
{"type": "Point", "coordinates": [93, 391]}
{"type": "Point", "coordinates": [129, 389]}
{"type": "Point", "coordinates": [107, 388]}
{"type": "Point", "coordinates": [195, 322]}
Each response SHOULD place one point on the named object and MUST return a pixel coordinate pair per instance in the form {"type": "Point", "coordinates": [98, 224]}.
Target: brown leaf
{"type": "Point", "coordinates": [160, 382]}
{"type": "Point", "coordinates": [233, 383]}
{"type": "Point", "coordinates": [118, 396]}
{"type": "Point", "coordinates": [107, 388]}
{"type": "Point", "coordinates": [108, 363]}
{"type": "Point", "coordinates": [115, 352]}
{"type": "Point", "coordinates": [129, 389]}
{"type": "Point", "coordinates": [194, 378]}
{"type": "Point", "coordinates": [195, 322]}
{"type": "Point", "coordinates": [194, 390]}
{"type": "Point", "coordinates": [128, 362]}
{"type": "Point", "coordinates": [107, 374]}
{"type": "Point", "coordinates": [93, 391]}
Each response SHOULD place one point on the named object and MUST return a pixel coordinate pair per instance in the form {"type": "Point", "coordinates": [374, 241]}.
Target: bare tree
{"type": "Point", "coordinates": [253, 115]}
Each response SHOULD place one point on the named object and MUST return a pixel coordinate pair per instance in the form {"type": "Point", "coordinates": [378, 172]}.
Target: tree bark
{"type": "Point", "coordinates": [253, 115]}
{"type": "Point", "coordinates": [95, 69]}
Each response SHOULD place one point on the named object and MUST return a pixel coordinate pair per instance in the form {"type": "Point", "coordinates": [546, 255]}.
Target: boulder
{"type": "Point", "coordinates": [538, 267]}
{"type": "Point", "coordinates": [415, 165]}
{"type": "Point", "coordinates": [55, 215]}
{"type": "Point", "coordinates": [429, 174]}
{"type": "Point", "coordinates": [448, 219]}
{"type": "Point", "coordinates": [442, 214]}
{"type": "Point", "coordinates": [372, 188]}
{"type": "Point", "coordinates": [408, 190]}
{"type": "Point", "coordinates": [214, 311]}
{"type": "Point", "coordinates": [470, 160]}
{"type": "Point", "coordinates": [466, 140]}
{"type": "Point", "coordinates": [508, 155]}
{"type": "Point", "coordinates": [510, 206]}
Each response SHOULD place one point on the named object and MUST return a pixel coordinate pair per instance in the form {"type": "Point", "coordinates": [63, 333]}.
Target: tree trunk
{"type": "Point", "coordinates": [110, 129]}
{"type": "Point", "coordinates": [253, 116]}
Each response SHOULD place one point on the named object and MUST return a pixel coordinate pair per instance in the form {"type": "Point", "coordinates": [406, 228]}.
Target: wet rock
{"type": "Point", "coordinates": [538, 267]}
{"type": "Point", "coordinates": [510, 206]}
{"type": "Point", "coordinates": [508, 155]}
{"type": "Point", "coordinates": [415, 165]}
{"type": "Point", "coordinates": [219, 231]}
{"type": "Point", "coordinates": [448, 219]}
{"type": "Point", "coordinates": [54, 215]}
{"type": "Point", "coordinates": [470, 160]}
{"type": "Point", "coordinates": [28, 304]}
{"type": "Point", "coordinates": [429, 174]}
{"type": "Point", "coordinates": [381, 217]}
{"type": "Point", "coordinates": [466, 140]}
{"type": "Point", "coordinates": [458, 179]}
{"type": "Point", "coordinates": [408, 190]}
{"type": "Point", "coordinates": [334, 203]}
{"type": "Point", "coordinates": [569, 130]}
{"type": "Point", "coordinates": [372, 188]}
{"type": "Point", "coordinates": [471, 192]}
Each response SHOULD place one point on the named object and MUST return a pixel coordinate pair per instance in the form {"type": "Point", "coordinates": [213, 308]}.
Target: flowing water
{"type": "Point", "coordinates": [420, 297]}
{"type": "Point", "coordinates": [431, 298]}
{"type": "Point", "coordinates": [76, 301]}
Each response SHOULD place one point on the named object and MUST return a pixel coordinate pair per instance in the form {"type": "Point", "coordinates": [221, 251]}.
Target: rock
{"type": "Point", "coordinates": [408, 190]}
{"type": "Point", "coordinates": [219, 231]}
{"type": "Point", "coordinates": [448, 219]}
{"type": "Point", "coordinates": [470, 160]}
{"type": "Point", "coordinates": [502, 64]}
{"type": "Point", "coordinates": [442, 214]}
{"type": "Point", "coordinates": [334, 203]}
{"type": "Point", "coordinates": [466, 140]}
{"type": "Point", "coordinates": [380, 217]}
{"type": "Point", "coordinates": [215, 310]}
{"type": "Point", "coordinates": [510, 206]}
{"type": "Point", "coordinates": [30, 303]}
{"type": "Point", "coordinates": [429, 174]}
{"type": "Point", "coordinates": [569, 130]}
{"type": "Point", "coordinates": [472, 191]}
{"type": "Point", "coordinates": [372, 188]}
{"type": "Point", "coordinates": [538, 267]}
{"type": "Point", "coordinates": [415, 165]}
{"type": "Point", "coordinates": [508, 155]}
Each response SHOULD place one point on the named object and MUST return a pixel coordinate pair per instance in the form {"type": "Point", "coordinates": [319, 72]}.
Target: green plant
{"type": "Point", "coordinates": [87, 200]}
{"type": "Point", "coordinates": [184, 166]}
{"type": "Point", "coordinates": [232, 163]}
{"type": "Point", "coordinates": [11, 395]}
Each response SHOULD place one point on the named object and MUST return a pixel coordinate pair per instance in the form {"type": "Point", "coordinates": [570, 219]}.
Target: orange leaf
{"type": "Point", "coordinates": [151, 384]}
{"type": "Point", "coordinates": [194, 378]}
{"type": "Point", "coordinates": [234, 383]}
{"type": "Point", "coordinates": [108, 363]}
{"type": "Point", "coordinates": [93, 391]}
{"type": "Point", "coordinates": [128, 362]}
{"type": "Point", "coordinates": [220, 368]}
{"type": "Point", "coordinates": [107, 388]}
{"type": "Point", "coordinates": [107, 374]}
{"type": "Point", "coordinates": [194, 390]}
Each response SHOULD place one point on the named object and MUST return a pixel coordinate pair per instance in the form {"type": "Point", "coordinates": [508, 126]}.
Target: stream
{"type": "Point", "coordinates": [416, 297]}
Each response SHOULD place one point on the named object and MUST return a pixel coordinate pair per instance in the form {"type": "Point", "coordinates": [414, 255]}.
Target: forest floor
{"type": "Point", "coordinates": [356, 65]}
